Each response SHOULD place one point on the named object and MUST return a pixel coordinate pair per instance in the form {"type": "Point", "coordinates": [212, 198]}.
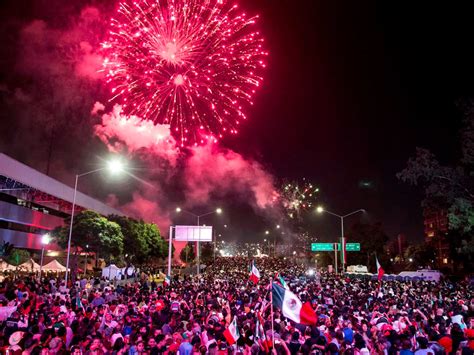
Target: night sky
{"type": "Point", "coordinates": [351, 89]}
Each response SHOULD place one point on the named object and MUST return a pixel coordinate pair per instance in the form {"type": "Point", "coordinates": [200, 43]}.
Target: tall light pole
{"type": "Point", "coordinates": [321, 209]}
{"type": "Point", "coordinates": [115, 166]}
{"type": "Point", "coordinates": [85, 262]}
{"type": "Point", "coordinates": [198, 254]}
{"type": "Point", "coordinates": [44, 241]}
{"type": "Point", "coordinates": [215, 243]}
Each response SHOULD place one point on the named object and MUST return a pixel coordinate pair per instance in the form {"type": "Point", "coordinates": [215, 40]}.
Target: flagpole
{"type": "Point", "coordinates": [271, 312]}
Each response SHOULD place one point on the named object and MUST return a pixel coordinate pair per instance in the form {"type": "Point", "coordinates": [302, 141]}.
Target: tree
{"type": "Point", "coordinates": [372, 239]}
{"type": "Point", "coordinates": [187, 254]}
{"type": "Point", "coordinates": [143, 240]}
{"type": "Point", "coordinates": [449, 188]}
{"type": "Point", "coordinates": [419, 256]}
{"type": "Point", "coordinates": [207, 252]}
{"type": "Point", "coordinates": [6, 249]}
{"type": "Point", "coordinates": [158, 247]}
{"type": "Point", "coordinates": [18, 257]}
{"type": "Point", "coordinates": [92, 231]}
{"type": "Point", "coordinates": [134, 237]}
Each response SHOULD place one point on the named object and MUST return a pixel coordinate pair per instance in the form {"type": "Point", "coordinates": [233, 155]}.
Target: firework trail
{"type": "Point", "coordinates": [297, 197]}
{"type": "Point", "coordinates": [194, 65]}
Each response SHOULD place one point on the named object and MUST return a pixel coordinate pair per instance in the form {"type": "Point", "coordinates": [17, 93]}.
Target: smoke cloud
{"type": "Point", "coordinates": [211, 169]}
{"type": "Point", "coordinates": [120, 132]}
{"type": "Point", "coordinates": [204, 172]}
{"type": "Point", "coordinates": [50, 86]}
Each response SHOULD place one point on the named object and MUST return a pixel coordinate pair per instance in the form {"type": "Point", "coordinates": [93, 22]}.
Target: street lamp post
{"type": "Point", "coordinates": [320, 209]}
{"type": "Point", "coordinates": [114, 166]}
{"type": "Point", "coordinates": [85, 263]}
{"type": "Point", "coordinates": [44, 241]}
{"type": "Point", "coordinates": [198, 254]}
{"type": "Point", "coordinates": [215, 244]}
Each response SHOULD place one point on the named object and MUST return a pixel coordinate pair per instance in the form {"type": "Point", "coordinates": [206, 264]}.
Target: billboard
{"type": "Point", "coordinates": [193, 233]}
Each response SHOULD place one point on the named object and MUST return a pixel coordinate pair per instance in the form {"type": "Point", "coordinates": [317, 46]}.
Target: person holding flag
{"type": "Point", "coordinates": [167, 281]}
{"type": "Point", "coordinates": [291, 306]}
{"type": "Point", "coordinates": [280, 280]}
{"type": "Point", "coordinates": [254, 273]}
{"type": "Point", "coordinates": [232, 334]}
{"type": "Point", "coordinates": [380, 270]}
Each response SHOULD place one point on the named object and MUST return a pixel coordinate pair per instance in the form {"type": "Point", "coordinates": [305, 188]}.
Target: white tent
{"type": "Point", "coordinates": [112, 272]}
{"type": "Point", "coordinates": [54, 266]}
{"type": "Point", "coordinates": [128, 271]}
{"type": "Point", "coordinates": [30, 266]}
{"type": "Point", "coordinates": [4, 266]}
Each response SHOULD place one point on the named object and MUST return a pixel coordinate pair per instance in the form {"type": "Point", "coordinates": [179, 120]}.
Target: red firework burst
{"type": "Point", "coordinates": [193, 64]}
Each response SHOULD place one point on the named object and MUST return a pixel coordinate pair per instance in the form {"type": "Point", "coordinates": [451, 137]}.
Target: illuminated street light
{"type": "Point", "coordinates": [45, 239]}
{"type": "Point", "coordinates": [115, 167]}
{"type": "Point", "coordinates": [267, 232]}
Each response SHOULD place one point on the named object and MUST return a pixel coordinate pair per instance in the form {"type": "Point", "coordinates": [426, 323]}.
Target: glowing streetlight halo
{"type": "Point", "coordinates": [115, 166]}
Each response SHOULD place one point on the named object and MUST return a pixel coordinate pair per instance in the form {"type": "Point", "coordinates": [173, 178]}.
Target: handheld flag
{"type": "Point", "coordinates": [167, 281]}
{"type": "Point", "coordinates": [291, 306]}
{"type": "Point", "coordinates": [254, 273]}
{"type": "Point", "coordinates": [232, 334]}
{"type": "Point", "coordinates": [79, 303]}
{"type": "Point", "coordinates": [280, 280]}
{"type": "Point", "coordinates": [380, 270]}
{"type": "Point", "coordinates": [259, 331]}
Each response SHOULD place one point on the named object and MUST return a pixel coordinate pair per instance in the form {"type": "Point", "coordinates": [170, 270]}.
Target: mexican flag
{"type": "Point", "coordinates": [231, 334]}
{"type": "Point", "coordinates": [260, 337]}
{"type": "Point", "coordinates": [291, 306]}
{"type": "Point", "coordinates": [79, 303]}
{"type": "Point", "coordinates": [254, 273]}
{"type": "Point", "coordinates": [167, 281]}
{"type": "Point", "coordinates": [280, 280]}
{"type": "Point", "coordinates": [380, 270]}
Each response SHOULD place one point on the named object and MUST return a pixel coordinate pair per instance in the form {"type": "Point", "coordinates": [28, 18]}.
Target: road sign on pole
{"type": "Point", "coordinates": [322, 246]}
{"type": "Point", "coordinates": [352, 246]}
{"type": "Point", "coordinates": [330, 246]}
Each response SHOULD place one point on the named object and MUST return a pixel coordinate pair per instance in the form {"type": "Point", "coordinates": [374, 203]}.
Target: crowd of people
{"type": "Point", "coordinates": [191, 315]}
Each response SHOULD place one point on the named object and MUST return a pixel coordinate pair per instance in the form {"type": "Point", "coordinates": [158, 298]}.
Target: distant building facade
{"type": "Point", "coordinates": [32, 204]}
{"type": "Point", "coordinates": [436, 228]}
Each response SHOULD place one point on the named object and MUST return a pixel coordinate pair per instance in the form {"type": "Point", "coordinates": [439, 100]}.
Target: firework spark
{"type": "Point", "coordinates": [193, 64]}
{"type": "Point", "coordinates": [296, 197]}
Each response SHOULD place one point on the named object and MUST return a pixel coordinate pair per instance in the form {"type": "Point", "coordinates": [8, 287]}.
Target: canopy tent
{"type": "Point", "coordinates": [54, 266]}
{"type": "Point", "coordinates": [112, 272]}
{"type": "Point", "coordinates": [30, 266]}
{"type": "Point", "coordinates": [4, 266]}
{"type": "Point", "coordinates": [129, 271]}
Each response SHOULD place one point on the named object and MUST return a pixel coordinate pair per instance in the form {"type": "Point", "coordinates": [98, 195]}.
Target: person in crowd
{"type": "Point", "coordinates": [142, 316]}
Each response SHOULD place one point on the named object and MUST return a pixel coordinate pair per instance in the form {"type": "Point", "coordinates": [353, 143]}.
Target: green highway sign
{"type": "Point", "coordinates": [330, 246]}
{"type": "Point", "coordinates": [352, 247]}
{"type": "Point", "coordinates": [322, 246]}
